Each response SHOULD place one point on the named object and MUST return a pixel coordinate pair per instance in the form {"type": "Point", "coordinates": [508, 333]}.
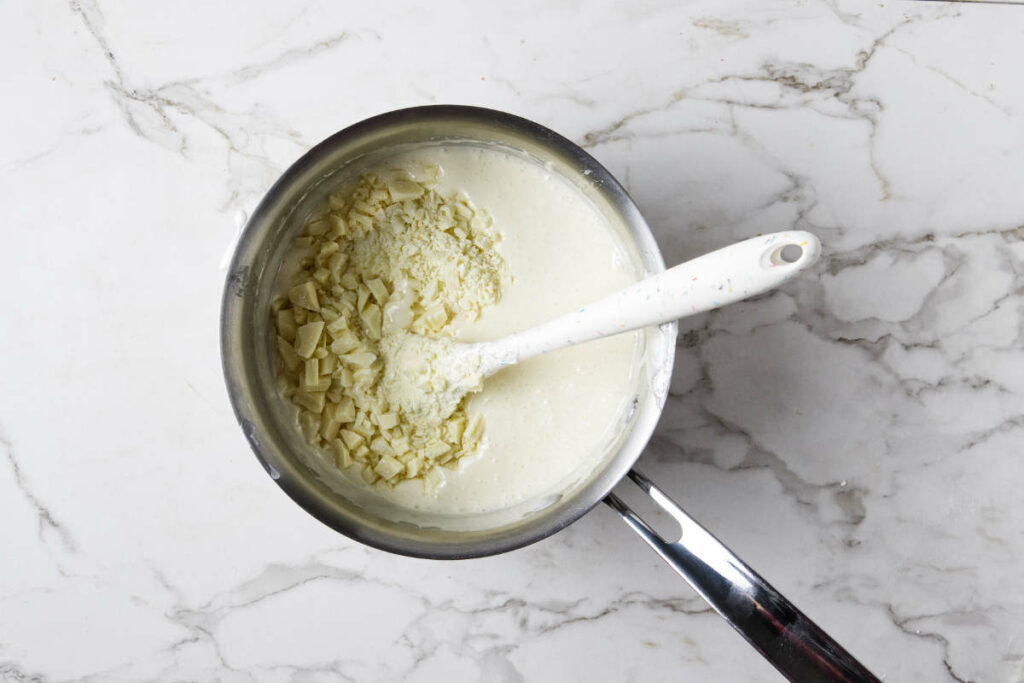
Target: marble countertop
{"type": "Point", "coordinates": [856, 436]}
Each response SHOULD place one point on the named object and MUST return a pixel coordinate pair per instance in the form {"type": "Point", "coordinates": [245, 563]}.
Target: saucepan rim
{"type": "Point", "coordinates": [249, 407]}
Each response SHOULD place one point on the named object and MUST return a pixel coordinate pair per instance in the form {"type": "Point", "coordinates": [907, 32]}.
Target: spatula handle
{"type": "Point", "coordinates": [722, 277]}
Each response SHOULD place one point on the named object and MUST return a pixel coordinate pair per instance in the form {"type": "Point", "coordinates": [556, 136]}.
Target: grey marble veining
{"type": "Point", "coordinates": [855, 436]}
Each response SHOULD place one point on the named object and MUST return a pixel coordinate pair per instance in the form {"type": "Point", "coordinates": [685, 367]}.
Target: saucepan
{"type": "Point", "coordinates": [784, 635]}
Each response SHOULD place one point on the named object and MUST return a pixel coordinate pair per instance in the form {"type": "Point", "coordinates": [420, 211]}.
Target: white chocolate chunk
{"type": "Point", "coordinates": [432, 480]}
{"type": "Point", "coordinates": [400, 445]}
{"type": "Point", "coordinates": [369, 476]}
{"type": "Point", "coordinates": [475, 428]}
{"type": "Point", "coordinates": [412, 467]}
{"type": "Point", "coordinates": [307, 337]}
{"type": "Point", "coordinates": [381, 446]}
{"type": "Point", "coordinates": [435, 449]}
{"type": "Point", "coordinates": [286, 324]}
{"type": "Point", "coordinates": [388, 466]}
{"type": "Point", "coordinates": [287, 352]}
{"type": "Point", "coordinates": [336, 263]}
{"type": "Point", "coordinates": [304, 295]}
{"type": "Point", "coordinates": [320, 385]}
{"type": "Point", "coordinates": [328, 248]}
{"type": "Point", "coordinates": [310, 425]}
{"type": "Point", "coordinates": [346, 410]}
{"type": "Point", "coordinates": [378, 290]}
{"type": "Point", "coordinates": [312, 373]}
{"type": "Point", "coordinates": [372, 319]}
{"type": "Point", "coordinates": [351, 438]}
{"type": "Point", "coordinates": [345, 342]}
{"type": "Point", "coordinates": [316, 227]}
{"type": "Point", "coordinates": [342, 456]}
{"type": "Point", "coordinates": [454, 430]}
{"type": "Point", "coordinates": [344, 377]}
{"type": "Point", "coordinates": [436, 317]}
{"type": "Point", "coordinates": [349, 281]}
{"type": "Point", "coordinates": [359, 359]}
{"type": "Point", "coordinates": [337, 326]}
{"type": "Point", "coordinates": [329, 425]}
{"type": "Point", "coordinates": [311, 401]}
{"type": "Point", "coordinates": [402, 190]}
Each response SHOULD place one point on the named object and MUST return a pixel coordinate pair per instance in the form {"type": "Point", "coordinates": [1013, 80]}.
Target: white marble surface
{"type": "Point", "coordinates": [856, 436]}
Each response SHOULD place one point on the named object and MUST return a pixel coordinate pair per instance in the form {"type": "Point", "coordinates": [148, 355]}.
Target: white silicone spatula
{"type": "Point", "coordinates": [721, 277]}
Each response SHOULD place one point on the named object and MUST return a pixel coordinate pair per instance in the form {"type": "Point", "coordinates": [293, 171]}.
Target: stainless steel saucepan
{"type": "Point", "coordinates": [787, 638]}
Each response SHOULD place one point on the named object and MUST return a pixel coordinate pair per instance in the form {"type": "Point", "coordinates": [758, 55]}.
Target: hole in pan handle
{"type": "Point", "coordinates": [794, 644]}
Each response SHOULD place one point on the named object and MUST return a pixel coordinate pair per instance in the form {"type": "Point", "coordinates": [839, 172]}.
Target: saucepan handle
{"type": "Point", "coordinates": [794, 644]}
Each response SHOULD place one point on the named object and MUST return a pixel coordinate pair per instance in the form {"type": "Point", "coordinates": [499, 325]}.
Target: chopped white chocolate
{"type": "Point", "coordinates": [475, 428]}
{"type": "Point", "coordinates": [329, 425]}
{"type": "Point", "coordinates": [387, 467]}
{"type": "Point", "coordinates": [432, 479]}
{"type": "Point", "coordinates": [346, 410]}
{"type": "Point", "coordinates": [405, 189]}
{"type": "Point", "coordinates": [381, 446]}
{"type": "Point", "coordinates": [304, 295]}
{"type": "Point", "coordinates": [318, 385]}
{"type": "Point", "coordinates": [454, 430]}
{"type": "Point", "coordinates": [371, 320]}
{"type": "Point", "coordinates": [316, 227]}
{"type": "Point", "coordinates": [291, 359]}
{"type": "Point", "coordinates": [312, 374]}
{"type": "Point", "coordinates": [345, 342]}
{"type": "Point", "coordinates": [286, 324]}
{"type": "Point", "coordinates": [400, 445]}
{"type": "Point", "coordinates": [369, 476]}
{"type": "Point", "coordinates": [336, 263]}
{"type": "Point", "coordinates": [344, 377]}
{"type": "Point", "coordinates": [359, 359]}
{"type": "Point", "coordinates": [307, 337]}
{"type": "Point", "coordinates": [312, 401]}
{"type": "Point", "coordinates": [351, 439]}
{"type": "Point", "coordinates": [310, 425]}
{"type": "Point", "coordinates": [412, 467]}
{"type": "Point", "coordinates": [378, 289]}
{"type": "Point", "coordinates": [435, 317]}
{"type": "Point", "coordinates": [328, 248]}
{"type": "Point", "coordinates": [435, 449]}
{"type": "Point", "coordinates": [342, 457]}
{"type": "Point", "coordinates": [390, 257]}
{"type": "Point", "coordinates": [337, 326]}
{"type": "Point", "coordinates": [328, 314]}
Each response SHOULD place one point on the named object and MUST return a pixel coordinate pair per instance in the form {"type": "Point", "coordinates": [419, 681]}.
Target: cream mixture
{"type": "Point", "coordinates": [549, 418]}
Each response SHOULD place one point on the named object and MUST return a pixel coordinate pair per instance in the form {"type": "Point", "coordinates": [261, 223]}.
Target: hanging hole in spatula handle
{"type": "Point", "coordinates": [794, 644]}
{"type": "Point", "coordinates": [789, 250]}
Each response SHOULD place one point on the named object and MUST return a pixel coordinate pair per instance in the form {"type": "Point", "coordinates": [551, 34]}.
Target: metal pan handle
{"type": "Point", "coordinates": [794, 644]}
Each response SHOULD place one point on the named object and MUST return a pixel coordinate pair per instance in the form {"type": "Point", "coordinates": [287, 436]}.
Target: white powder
{"type": "Point", "coordinates": [428, 378]}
